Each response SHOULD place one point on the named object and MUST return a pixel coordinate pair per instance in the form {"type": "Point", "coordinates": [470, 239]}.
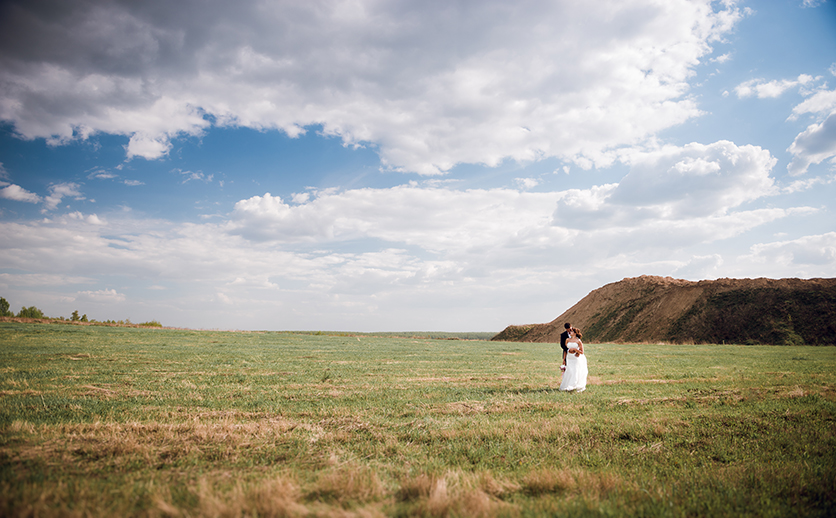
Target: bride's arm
{"type": "Point", "coordinates": [580, 346]}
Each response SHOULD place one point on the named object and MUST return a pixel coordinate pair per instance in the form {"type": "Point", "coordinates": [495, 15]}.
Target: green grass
{"type": "Point", "coordinates": [108, 421]}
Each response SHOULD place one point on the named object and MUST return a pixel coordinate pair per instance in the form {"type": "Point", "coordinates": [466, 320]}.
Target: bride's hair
{"type": "Point", "coordinates": [577, 332]}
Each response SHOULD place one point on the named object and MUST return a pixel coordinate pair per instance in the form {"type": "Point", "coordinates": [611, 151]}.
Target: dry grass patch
{"type": "Point", "coordinates": [348, 484]}
{"type": "Point", "coordinates": [415, 488]}
{"type": "Point", "coordinates": [27, 392]}
{"type": "Point", "coordinates": [512, 407]}
{"type": "Point", "coordinates": [651, 449]}
{"type": "Point", "coordinates": [595, 380]}
{"type": "Point", "coordinates": [497, 487]}
{"type": "Point", "coordinates": [119, 443]}
{"type": "Point", "coordinates": [18, 426]}
{"type": "Point", "coordinates": [592, 486]}
{"type": "Point", "coordinates": [457, 494]}
{"type": "Point", "coordinates": [277, 497]}
{"type": "Point", "coordinates": [598, 486]}
{"type": "Point", "coordinates": [462, 408]}
{"type": "Point", "coordinates": [547, 481]}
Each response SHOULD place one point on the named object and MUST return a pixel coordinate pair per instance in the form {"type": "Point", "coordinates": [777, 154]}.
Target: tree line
{"type": "Point", "coordinates": [34, 312]}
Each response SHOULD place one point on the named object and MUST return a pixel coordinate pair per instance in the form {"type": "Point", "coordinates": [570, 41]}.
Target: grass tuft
{"type": "Point", "coordinates": [548, 481]}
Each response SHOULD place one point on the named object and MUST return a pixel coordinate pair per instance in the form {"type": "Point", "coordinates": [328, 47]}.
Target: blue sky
{"type": "Point", "coordinates": [383, 165]}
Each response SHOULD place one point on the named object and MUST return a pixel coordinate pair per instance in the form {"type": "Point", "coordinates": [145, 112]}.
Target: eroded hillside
{"type": "Point", "coordinates": [662, 309]}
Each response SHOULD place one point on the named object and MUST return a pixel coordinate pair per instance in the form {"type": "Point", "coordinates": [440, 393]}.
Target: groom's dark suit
{"type": "Point", "coordinates": [563, 337]}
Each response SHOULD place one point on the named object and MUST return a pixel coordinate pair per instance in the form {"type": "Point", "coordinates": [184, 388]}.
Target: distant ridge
{"type": "Point", "coordinates": [651, 309]}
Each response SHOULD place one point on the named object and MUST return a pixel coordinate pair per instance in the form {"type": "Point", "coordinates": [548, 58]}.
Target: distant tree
{"type": "Point", "coordinates": [84, 317]}
{"type": "Point", "coordinates": [4, 308]}
{"type": "Point", "coordinates": [75, 316]}
{"type": "Point", "coordinates": [30, 312]}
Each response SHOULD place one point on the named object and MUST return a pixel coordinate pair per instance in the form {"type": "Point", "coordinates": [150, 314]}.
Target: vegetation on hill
{"type": "Point", "coordinates": [656, 309]}
{"type": "Point", "coordinates": [33, 314]}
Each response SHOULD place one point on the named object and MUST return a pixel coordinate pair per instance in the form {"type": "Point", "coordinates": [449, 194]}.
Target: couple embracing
{"type": "Point", "coordinates": [574, 360]}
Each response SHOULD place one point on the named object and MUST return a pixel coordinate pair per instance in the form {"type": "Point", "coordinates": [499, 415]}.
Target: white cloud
{"type": "Point", "coordinates": [301, 197]}
{"type": "Point", "coordinates": [673, 198]}
{"type": "Point", "coordinates": [770, 89]}
{"type": "Point", "coordinates": [192, 175]}
{"type": "Point", "coordinates": [700, 267]}
{"type": "Point", "coordinates": [821, 103]}
{"type": "Point", "coordinates": [488, 82]}
{"type": "Point", "coordinates": [722, 58]}
{"type": "Point", "coordinates": [804, 185]}
{"type": "Point", "coordinates": [807, 251]}
{"type": "Point", "coordinates": [18, 193]}
{"type": "Point", "coordinates": [689, 183]}
{"type": "Point", "coordinates": [142, 145]}
{"type": "Point", "coordinates": [101, 174]}
{"type": "Point", "coordinates": [41, 279]}
{"type": "Point", "coordinates": [434, 219]}
{"type": "Point", "coordinates": [90, 218]}
{"type": "Point", "coordinates": [813, 145]}
{"type": "Point", "coordinates": [253, 282]}
{"type": "Point", "coordinates": [818, 142]}
{"type": "Point", "coordinates": [527, 183]}
{"type": "Point", "coordinates": [59, 191]}
{"type": "Point", "coordinates": [101, 296]}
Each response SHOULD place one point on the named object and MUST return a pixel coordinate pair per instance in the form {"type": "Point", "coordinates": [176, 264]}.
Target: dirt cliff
{"type": "Point", "coordinates": [650, 309]}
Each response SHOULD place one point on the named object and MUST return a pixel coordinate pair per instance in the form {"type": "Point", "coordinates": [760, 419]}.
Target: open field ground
{"type": "Point", "coordinates": [106, 421]}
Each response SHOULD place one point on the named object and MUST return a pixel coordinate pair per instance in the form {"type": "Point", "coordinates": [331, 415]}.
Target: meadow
{"type": "Point", "coordinates": [110, 421]}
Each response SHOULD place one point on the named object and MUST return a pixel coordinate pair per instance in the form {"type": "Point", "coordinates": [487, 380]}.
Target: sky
{"type": "Point", "coordinates": [377, 165]}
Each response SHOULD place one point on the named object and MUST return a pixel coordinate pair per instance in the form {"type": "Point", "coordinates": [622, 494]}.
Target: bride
{"type": "Point", "coordinates": [574, 377]}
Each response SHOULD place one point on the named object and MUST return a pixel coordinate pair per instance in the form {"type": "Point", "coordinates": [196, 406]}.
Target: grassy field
{"type": "Point", "coordinates": [105, 421]}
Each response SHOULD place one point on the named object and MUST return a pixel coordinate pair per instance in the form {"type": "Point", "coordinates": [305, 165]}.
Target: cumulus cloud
{"type": "Point", "coordinates": [672, 198]}
{"type": "Point", "coordinates": [434, 219]}
{"type": "Point", "coordinates": [18, 193]}
{"type": "Point", "coordinates": [700, 267]}
{"type": "Point", "coordinates": [527, 183]}
{"type": "Point", "coordinates": [673, 184]}
{"type": "Point", "coordinates": [821, 103]}
{"type": "Point", "coordinates": [90, 218]}
{"type": "Point", "coordinates": [488, 81]}
{"type": "Point", "coordinates": [59, 191]}
{"type": "Point", "coordinates": [770, 89]}
{"type": "Point", "coordinates": [816, 250]}
{"type": "Point", "coordinates": [818, 142]}
{"type": "Point", "coordinates": [106, 296]}
{"type": "Point", "coordinates": [804, 185]}
{"type": "Point", "coordinates": [722, 58]}
{"type": "Point", "coordinates": [813, 145]}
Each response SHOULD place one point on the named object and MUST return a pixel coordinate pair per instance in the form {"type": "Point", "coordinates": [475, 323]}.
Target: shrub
{"type": "Point", "coordinates": [30, 312]}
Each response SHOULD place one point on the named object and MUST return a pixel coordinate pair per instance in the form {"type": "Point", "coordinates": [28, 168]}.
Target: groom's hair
{"type": "Point", "coordinates": [567, 325]}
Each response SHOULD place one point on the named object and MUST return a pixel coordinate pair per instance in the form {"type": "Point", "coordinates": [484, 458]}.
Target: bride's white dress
{"type": "Point", "coordinates": [574, 377]}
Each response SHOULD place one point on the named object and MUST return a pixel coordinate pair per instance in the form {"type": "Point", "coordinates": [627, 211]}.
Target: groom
{"type": "Point", "coordinates": [563, 337]}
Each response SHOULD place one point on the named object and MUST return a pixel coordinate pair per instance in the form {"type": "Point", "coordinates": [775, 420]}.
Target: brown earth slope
{"type": "Point", "coordinates": [661, 309]}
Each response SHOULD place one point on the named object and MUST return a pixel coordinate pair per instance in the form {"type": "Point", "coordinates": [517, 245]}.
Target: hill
{"type": "Point", "coordinates": [650, 309]}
